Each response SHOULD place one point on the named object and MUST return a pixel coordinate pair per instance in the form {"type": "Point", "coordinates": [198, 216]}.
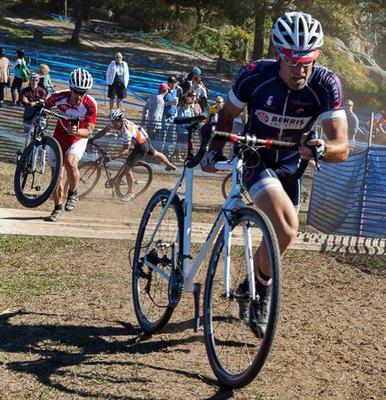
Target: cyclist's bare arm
{"type": "Point", "coordinates": [225, 122]}
{"type": "Point", "coordinates": [101, 133]}
{"type": "Point", "coordinates": [123, 153]}
{"type": "Point", "coordinates": [337, 146]}
{"type": "Point", "coordinates": [82, 132]}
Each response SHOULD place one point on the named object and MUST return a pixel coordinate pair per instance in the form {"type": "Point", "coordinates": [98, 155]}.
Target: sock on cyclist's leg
{"type": "Point", "coordinates": [58, 207]}
{"type": "Point", "coordinates": [73, 192]}
{"type": "Point", "coordinates": [263, 279]}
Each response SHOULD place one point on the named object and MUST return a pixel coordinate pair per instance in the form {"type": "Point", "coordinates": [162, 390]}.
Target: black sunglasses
{"type": "Point", "coordinates": [78, 92]}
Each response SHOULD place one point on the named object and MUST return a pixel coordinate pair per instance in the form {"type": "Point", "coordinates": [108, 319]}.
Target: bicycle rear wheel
{"type": "Point", "coordinates": [235, 352]}
{"type": "Point", "coordinates": [89, 175]}
{"type": "Point", "coordinates": [38, 172]}
{"type": "Point", "coordinates": [156, 278]}
{"type": "Point", "coordinates": [143, 176]}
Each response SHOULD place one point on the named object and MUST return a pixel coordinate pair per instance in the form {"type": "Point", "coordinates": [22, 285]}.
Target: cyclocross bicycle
{"type": "Point", "coordinates": [164, 266]}
{"type": "Point", "coordinates": [90, 173]}
{"type": "Point", "coordinates": [39, 166]}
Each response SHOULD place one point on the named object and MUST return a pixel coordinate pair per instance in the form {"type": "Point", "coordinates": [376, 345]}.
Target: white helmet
{"type": "Point", "coordinates": [80, 80]}
{"type": "Point", "coordinates": [297, 31]}
{"type": "Point", "coordinates": [117, 114]}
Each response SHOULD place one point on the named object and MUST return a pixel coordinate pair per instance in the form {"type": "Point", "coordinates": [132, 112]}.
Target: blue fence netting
{"type": "Point", "coordinates": [142, 83]}
{"type": "Point", "coordinates": [349, 198]}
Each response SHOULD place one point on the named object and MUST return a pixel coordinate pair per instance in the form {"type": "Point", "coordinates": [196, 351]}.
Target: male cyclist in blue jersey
{"type": "Point", "coordinates": [284, 98]}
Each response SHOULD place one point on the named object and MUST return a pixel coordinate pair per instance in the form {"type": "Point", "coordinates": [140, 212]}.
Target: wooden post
{"type": "Point", "coordinates": [371, 130]}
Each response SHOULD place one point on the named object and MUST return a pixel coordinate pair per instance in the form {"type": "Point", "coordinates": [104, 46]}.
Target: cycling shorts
{"type": "Point", "coordinates": [138, 152]}
{"type": "Point", "coordinates": [260, 176]}
{"type": "Point", "coordinates": [78, 148]}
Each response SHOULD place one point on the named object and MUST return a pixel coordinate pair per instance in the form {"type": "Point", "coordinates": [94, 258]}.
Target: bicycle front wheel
{"type": "Point", "coordinates": [143, 176]}
{"type": "Point", "coordinates": [38, 172]}
{"type": "Point", "coordinates": [156, 258]}
{"type": "Point", "coordinates": [89, 175]}
{"type": "Point", "coordinates": [226, 187]}
{"type": "Point", "coordinates": [236, 353]}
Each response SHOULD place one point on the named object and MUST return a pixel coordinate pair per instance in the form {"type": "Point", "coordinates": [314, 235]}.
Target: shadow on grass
{"type": "Point", "coordinates": [47, 343]}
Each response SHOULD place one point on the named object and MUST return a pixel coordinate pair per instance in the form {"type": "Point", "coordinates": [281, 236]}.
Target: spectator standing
{"type": "Point", "coordinates": [170, 112]}
{"type": "Point", "coordinates": [21, 74]}
{"type": "Point", "coordinates": [185, 110]}
{"type": "Point", "coordinates": [202, 94]}
{"type": "Point", "coordinates": [185, 83]}
{"type": "Point", "coordinates": [195, 72]}
{"type": "Point", "coordinates": [379, 128]}
{"type": "Point", "coordinates": [4, 74]}
{"type": "Point", "coordinates": [152, 113]}
{"type": "Point", "coordinates": [45, 79]}
{"type": "Point", "coordinates": [31, 96]}
{"type": "Point", "coordinates": [352, 120]}
{"type": "Point", "coordinates": [117, 78]}
{"type": "Point", "coordinates": [217, 106]}
{"type": "Point", "coordinates": [195, 105]}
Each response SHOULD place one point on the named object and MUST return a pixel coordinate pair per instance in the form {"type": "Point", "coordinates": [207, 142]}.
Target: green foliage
{"type": "Point", "coordinates": [356, 81]}
{"type": "Point", "coordinates": [212, 42]}
{"type": "Point", "coordinates": [229, 42]}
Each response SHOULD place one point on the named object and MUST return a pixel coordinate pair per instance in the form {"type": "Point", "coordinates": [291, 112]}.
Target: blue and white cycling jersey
{"type": "Point", "coordinates": [276, 111]}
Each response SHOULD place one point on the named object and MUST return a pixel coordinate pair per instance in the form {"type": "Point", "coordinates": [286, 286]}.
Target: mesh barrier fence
{"type": "Point", "coordinates": [350, 198]}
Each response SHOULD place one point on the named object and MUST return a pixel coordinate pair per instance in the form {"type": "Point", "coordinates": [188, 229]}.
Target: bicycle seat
{"type": "Point", "coordinates": [189, 120]}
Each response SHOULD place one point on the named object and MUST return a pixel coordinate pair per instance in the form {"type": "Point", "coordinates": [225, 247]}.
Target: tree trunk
{"type": "Point", "coordinates": [178, 11]}
{"type": "Point", "coordinates": [277, 10]}
{"type": "Point", "coordinates": [200, 14]}
{"type": "Point", "coordinates": [260, 14]}
{"type": "Point", "coordinates": [78, 23]}
{"type": "Point", "coordinates": [65, 8]}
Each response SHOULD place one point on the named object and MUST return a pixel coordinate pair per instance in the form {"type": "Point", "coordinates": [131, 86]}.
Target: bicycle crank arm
{"type": "Point", "coordinates": [197, 294]}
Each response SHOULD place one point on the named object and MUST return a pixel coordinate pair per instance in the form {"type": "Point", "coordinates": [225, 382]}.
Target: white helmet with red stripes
{"type": "Point", "coordinates": [298, 32]}
{"type": "Point", "coordinates": [80, 80]}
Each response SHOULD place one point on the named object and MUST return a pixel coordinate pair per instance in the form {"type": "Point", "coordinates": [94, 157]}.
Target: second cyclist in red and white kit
{"type": "Point", "coordinates": [74, 103]}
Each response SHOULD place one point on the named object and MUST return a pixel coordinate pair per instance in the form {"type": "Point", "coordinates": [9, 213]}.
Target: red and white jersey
{"type": "Point", "coordinates": [86, 111]}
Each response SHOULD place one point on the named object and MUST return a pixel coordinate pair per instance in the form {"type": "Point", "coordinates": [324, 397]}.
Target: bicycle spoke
{"type": "Point", "coordinates": [235, 351]}
{"type": "Point", "coordinates": [153, 261]}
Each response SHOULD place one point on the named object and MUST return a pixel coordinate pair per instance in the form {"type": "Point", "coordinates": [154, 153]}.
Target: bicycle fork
{"type": "Point", "coordinates": [248, 252]}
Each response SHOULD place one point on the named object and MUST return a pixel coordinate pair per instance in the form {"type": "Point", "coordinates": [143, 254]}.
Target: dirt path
{"type": "Point", "coordinates": [30, 222]}
{"type": "Point", "coordinates": [76, 336]}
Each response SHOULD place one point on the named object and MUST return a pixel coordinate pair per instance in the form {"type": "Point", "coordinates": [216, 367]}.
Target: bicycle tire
{"type": "Point", "coordinates": [21, 172]}
{"type": "Point", "coordinates": [224, 190]}
{"type": "Point", "coordinates": [144, 171]}
{"type": "Point", "coordinates": [218, 350]}
{"type": "Point", "coordinates": [164, 311]}
{"type": "Point", "coordinates": [89, 175]}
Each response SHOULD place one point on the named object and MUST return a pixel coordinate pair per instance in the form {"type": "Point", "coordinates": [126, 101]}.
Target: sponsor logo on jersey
{"type": "Point", "coordinates": [280, 122]}
{"type": "Point", "coordinates": [268, 103]}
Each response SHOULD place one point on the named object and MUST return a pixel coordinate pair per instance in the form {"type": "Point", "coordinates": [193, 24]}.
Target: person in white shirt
{"type": "Point", "coordinates": [117, 78]}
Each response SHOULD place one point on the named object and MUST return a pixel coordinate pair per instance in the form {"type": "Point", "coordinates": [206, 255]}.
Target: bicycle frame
{"type": "Point", "coordinates": [234, 201]}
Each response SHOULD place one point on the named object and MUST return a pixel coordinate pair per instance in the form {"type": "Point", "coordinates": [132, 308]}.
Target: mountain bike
{"type": "Point", "coordinates": [90, 173]}
{"type": "Point", "coordinates": [164, 267]}
{"type": "Point", "coordinates": [39, 167]}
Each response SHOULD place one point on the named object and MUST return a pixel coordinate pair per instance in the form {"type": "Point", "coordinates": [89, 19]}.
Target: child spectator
{"type": "Point", "coordinates": [45, 79]}
{"type": "Point", "coordinates": [185, 110]}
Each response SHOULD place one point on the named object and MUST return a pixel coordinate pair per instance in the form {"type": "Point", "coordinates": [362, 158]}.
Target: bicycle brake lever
{"type": "Point", "coordinates": [311, 136]}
